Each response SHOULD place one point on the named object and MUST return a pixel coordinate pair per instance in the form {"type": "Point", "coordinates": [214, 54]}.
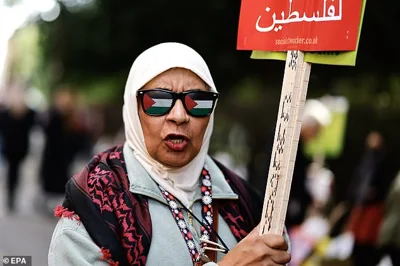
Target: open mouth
{"type": "Point", "coordinates": [176, 142]}
{"type": "Point", "coordinates": [178, 138]}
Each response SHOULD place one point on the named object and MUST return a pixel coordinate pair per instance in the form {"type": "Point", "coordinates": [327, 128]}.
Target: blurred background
{"type": "Point", "coordinates": [63, 68]}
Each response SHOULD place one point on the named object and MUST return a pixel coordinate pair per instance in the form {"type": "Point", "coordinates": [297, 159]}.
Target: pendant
{"type": "Point", "coordinates": [204, 258]}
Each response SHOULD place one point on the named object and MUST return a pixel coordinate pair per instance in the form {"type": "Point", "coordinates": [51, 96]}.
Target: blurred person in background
{"type": "Point", "coordinates": [160, 199]}
{"type": "Point", "coordinates": [16, 122]}
{"type": "Point", "coordinates": [65, 136]}
{"type": "Point", "coordinates": [367, 192]}
{"type": "Point", "coordinates": [316, 116]}
{"type": "Point", "coordinates": [389, 235]}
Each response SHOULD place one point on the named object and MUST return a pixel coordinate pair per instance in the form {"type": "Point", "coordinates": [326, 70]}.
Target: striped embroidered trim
{"type": "Point", "coordinates": [207, 215]}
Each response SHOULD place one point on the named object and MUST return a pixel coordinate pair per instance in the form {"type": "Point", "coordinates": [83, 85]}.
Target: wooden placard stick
{"type": "Point", "coordinates": [284, 149]}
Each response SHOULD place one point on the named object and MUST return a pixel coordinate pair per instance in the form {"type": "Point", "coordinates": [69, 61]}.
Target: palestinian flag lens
{"type": "Point", "coordinates": [199, 103]}
{"type": "Point", "coordinates": [157, 102]}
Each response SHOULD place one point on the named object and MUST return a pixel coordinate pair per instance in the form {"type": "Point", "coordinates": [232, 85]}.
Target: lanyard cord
{"type": "Point", "coordinates": [208, 225]}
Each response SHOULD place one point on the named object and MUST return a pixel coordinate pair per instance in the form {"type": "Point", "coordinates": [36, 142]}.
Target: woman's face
{"type": "Point", "coordinates": [175, 138]}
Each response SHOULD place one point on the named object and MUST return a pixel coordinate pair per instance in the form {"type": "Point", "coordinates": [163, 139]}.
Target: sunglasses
{"type": "Point", "coordinates": [159, 102]}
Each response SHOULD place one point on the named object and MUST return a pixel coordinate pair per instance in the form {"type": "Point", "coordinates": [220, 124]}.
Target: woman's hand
{"type": "Point", "coordinates": [265, 250]}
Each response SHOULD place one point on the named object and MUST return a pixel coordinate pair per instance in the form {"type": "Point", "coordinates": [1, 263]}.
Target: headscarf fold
{"type": "Point", "coordinates": [181, 182]}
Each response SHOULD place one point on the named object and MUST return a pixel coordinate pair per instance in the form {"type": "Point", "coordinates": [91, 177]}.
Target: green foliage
{"type": "Point", "coordinates": [371, 90]}
{"type": "Point", "coordinates": [103, 89]}
{"type": "Point", "coordinates": [93, 49]}
{"type": "Point", "coordinates": [26, 52]}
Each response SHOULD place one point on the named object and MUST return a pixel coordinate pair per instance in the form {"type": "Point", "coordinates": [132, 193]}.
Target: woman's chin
{"type": "Point", "coordinates": [176, 160]}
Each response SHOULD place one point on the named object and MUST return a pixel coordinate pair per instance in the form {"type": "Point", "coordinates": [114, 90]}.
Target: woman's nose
{"type": "Point", "coordinates": [178, 113]}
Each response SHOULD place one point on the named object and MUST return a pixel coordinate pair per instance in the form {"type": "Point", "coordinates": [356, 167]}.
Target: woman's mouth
{"type": "Point", "coordinates": [176, 142]}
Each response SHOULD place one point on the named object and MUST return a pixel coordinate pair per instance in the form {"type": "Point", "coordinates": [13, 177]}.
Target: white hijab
{"type": "Point", "coordinates": [181, 182]}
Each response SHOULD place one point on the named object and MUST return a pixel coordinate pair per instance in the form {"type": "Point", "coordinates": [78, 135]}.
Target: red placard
{"type": "Point", "coordinates": [306, 25]}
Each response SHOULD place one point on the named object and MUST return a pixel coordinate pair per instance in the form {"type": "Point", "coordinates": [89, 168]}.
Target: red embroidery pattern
{"type": "Point", "coordinates": [60, 211]}
{"type": "Point", "coordinates": [106, 183]}
{"type": "Point", "coordinates": [107, 257]}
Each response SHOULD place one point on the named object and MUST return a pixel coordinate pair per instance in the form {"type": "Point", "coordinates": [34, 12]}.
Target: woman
{"type": "Point", "coordinates": [65, 136]}
{"type": "Point", "coordinates": [367, 192]}
{"type": "Point", "coordinates": [152, 200]}
{"type": "Point", "coordinates": [389, 233]}
{"type": "Point", "coordinates": [16, 123]}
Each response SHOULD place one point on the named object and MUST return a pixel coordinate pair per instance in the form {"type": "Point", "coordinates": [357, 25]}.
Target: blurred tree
{"type": "Point", "coordinates": [94, 45]}
{"type": "Point", "coordinates": [103, 38]}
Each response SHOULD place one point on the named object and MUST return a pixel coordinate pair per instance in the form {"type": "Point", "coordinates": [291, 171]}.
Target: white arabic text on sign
{"type": "Point", "coordinates": [328, 14]}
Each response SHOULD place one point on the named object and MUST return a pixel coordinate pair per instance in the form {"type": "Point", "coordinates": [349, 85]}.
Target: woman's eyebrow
{"type": "Point", "coordinates": [156, 87]}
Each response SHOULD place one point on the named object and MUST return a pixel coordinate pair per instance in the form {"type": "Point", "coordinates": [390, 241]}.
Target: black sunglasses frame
{"type": "Point", "coordinates": [181, 96]}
